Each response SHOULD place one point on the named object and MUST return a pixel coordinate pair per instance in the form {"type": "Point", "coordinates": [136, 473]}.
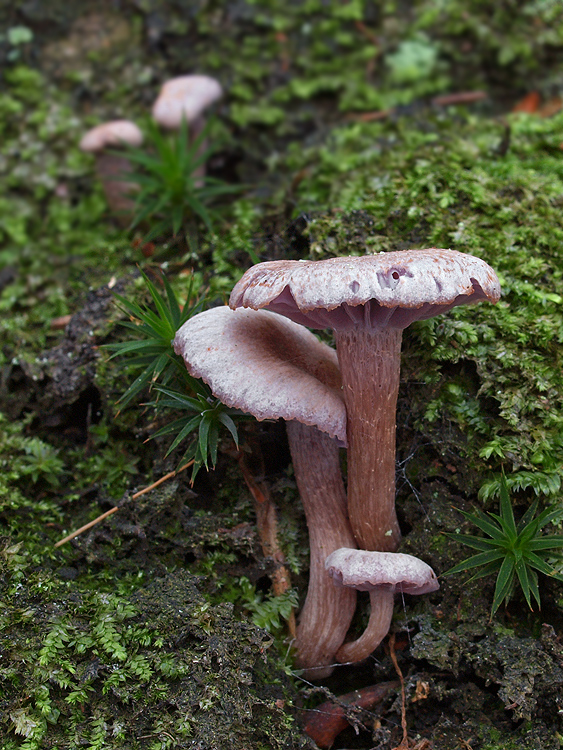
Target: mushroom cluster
{"type": "Point", "coordinates": [185, 97]}
{"type": "Point", "coordinates": [367, 301]}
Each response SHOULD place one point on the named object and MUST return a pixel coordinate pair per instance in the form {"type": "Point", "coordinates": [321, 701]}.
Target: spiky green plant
{"type": "Point", "coordinates": [205, 414]}
{"type": "Point", "coordinates": [172, 195]}
{"type": "Point", "coordinates": [154, 327]}
{"type": "Point", "coordinates": [515, 551]}
{"type": "Point", "coordinates": [164, 372]}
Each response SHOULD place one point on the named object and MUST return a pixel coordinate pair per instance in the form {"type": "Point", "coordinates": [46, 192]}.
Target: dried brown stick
{"type": "Point", "coordinates": [116, 507]}
{"type": "Point", "coordinates": [267, 526]}
{"type": "Point", "coordinates": [404, 744]}
{"type": "Point", "coordinates": [459, 97]}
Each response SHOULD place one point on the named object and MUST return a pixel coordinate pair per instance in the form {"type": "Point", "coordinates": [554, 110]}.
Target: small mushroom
{"type": "Point", "coordinates": [103, 141]}
{"type": "Point", "coordinates": [382, 574]}
{"type": "Point", "coordinates": [187, 97]}
{"type": "Point", "coordinates": [273, 368]}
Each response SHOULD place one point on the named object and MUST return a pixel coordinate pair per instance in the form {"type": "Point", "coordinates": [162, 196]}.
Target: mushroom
{"type": "Point", "coordinates": [111, 167]}
{"type": "Point", "coordinates": [382, 574]}
{"type": "Point", "coordinates": [368, 301]}
{"type": "Point", "coordinates": [273, 368]}
{"type": "Point", "coordinates": [187, 98]}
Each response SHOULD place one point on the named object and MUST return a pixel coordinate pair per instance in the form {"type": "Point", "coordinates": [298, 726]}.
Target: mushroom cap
{"type": "Point", "coordinates": [395, 571]}
{"type": "Point", "coordinates": [265, 365]}
{"type": "Point", "coordinates": [187, 96]}
{"type": "Point", "coordinates": [389, 289]}
{"type": "Point", "coordinates": [111, 134]}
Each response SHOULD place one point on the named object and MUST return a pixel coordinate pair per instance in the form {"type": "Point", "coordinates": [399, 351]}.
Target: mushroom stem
{"type": "Point", "coordinates": [369, 361]}
{"type": "Point", "coordinates": [112, 171]}
{"type": "Point", "coordinates": [381, 614]}
{"type": "Point", "coordinates": [328, 610]}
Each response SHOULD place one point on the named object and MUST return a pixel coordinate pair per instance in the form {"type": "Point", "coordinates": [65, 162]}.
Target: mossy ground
{"type": "Point", "coordinates": [95, 651]}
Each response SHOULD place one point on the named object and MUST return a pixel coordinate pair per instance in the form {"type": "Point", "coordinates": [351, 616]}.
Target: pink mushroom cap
{"type": "Point", "coordinates": [374, 291]}
{"type": "Point", "coordinates": [265, 365]}
{"type": "Point", "coordinates": [185, 96]}
{"type": "Point", "coordinates": [111, 134]}
{"type": "Point", "coordinates": [393, 571]}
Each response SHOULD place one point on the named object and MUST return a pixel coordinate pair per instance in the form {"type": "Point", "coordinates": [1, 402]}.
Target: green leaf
{"type": "Point", "coordinates": [476, 561]}
{"type": "Point", "coordinates": [522, 573]}
{"type": "Point", "coordinates": [536, 562]}
{"type": "Point", "coordinates": [189, 426]}
{"type": "Point", "coordinates": [504, 583]}
{"type": "Point", "coordinates": [545, 542]}
{"type": "Point", "coordinates": [483, 522]}
{"type": "Point", "coordinates": [507, 514]}
{"type": "Point", "coordinates": [204, 426]}
{"type": "Point", "coordinates": [226, 420]}
{"type": "Point", "coordinates": [528, 516]}
{"type": "Point", "coordinates": [533, 583]}
{"type": "Point", "coordinates": [477, 542]}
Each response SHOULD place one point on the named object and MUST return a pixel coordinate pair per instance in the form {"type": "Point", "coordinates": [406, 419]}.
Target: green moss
{"type": "Point", "coordinates": [153, 669]}
{"type": "Point", "coordinates": [445, 187]}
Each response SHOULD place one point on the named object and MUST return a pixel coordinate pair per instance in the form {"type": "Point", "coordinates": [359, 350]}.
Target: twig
{"type": "Point", "coordinates": [267, 526]}
{"type": "Point", "coordinates": [381, 114]}
{"type": "Point", "coordinates": [116, 507]}
{"type": "Point", "coordinates": [404, 744]}
{"type": "Point", "coordinates": [369, 35]}
{"type": "Point", "coordinates": [459, 97]}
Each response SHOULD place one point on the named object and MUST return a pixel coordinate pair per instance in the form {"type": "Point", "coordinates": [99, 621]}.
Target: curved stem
{"type": "Point", "coordinates": [112, 171]}
{"type": "Point", "coordinates": [381, 602]}
{"type": "Point", "coordinates": [328, 610]}
{"type": "Point", "coordinates": [369, 362]}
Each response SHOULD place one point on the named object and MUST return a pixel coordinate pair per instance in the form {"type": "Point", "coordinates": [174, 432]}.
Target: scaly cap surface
{"type": "Point", "coordinates": [389, 289]}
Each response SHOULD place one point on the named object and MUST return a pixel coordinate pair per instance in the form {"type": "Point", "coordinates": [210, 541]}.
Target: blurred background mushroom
{"type": "Point", "coordinates": [104, 141]}
{"type": "Point", "coordinates": [186, 98]}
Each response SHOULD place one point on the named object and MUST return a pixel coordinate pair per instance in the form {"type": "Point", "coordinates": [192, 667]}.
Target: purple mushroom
{"type": "Point", "coordinates": [368, 301]}
{"type": "Point", "coordinates": [273, 368]}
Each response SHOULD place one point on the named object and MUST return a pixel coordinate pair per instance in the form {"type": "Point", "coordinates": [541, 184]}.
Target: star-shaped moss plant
{"type": "Point", "coordinates": [515, 551]}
